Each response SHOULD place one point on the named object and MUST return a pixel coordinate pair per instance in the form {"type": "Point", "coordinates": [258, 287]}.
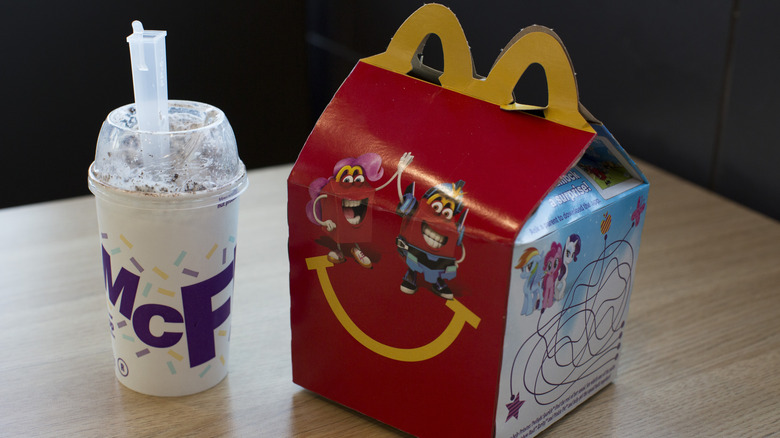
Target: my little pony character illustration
{"type": "Point", "coordinates": [341, 204]}
{"type": "Point", "coordinates": [570, 252]}
{"type": "Point", "coordinates": [529, 264]}
{"type": "Point", "coordinates": [552, 265]}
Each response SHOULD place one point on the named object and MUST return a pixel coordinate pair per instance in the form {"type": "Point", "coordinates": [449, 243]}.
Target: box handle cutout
{"type": "Point", "coordinates": [421, 70]}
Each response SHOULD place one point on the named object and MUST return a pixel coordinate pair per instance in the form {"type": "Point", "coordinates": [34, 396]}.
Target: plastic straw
{"type": "Point", "coordinates": [150, 84]}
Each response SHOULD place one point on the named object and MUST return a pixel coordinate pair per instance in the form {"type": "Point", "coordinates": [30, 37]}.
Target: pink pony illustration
{"type": "Point", "coordinates": [552, 266]}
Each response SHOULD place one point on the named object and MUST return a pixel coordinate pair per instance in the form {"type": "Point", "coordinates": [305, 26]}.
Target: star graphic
{"type": "Point", "coordinates": [514, 407]}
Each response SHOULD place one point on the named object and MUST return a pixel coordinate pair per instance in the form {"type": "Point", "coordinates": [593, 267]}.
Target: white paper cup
{"type": "Point", "coordinates": [168, 266]}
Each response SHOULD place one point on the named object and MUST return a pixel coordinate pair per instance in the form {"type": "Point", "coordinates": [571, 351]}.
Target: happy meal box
{"type": "Point", "coordinates": [459, 266]}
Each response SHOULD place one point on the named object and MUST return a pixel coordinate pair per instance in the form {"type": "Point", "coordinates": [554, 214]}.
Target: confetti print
{"type": "Point", "coordinates": [160, 272]}
{"type": "Point", "coordinates": [136, 264]}
{"type": "Point", "coordinates": [189, 272]}
{"type": "Point", "coordinates": [180, 259]}
{"type": "Point", "coordinates": [125, 241]}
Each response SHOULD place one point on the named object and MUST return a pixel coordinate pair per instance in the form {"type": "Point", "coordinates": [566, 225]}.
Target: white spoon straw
{"type": "Point", "coordinates": [150, 84]}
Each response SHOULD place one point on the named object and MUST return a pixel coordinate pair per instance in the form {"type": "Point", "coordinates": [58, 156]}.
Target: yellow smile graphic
{"type": "Point", "coordinates": [462, 315]}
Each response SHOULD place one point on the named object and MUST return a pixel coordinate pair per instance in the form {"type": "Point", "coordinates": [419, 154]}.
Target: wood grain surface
{"type": "Point", "coordinates": [701, 352]}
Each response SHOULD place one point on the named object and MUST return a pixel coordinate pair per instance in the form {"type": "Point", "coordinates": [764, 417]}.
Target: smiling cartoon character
{"type": "Point", "coordinates": [529, 265]}
{"type": "Point", "coordinates": [431, 232]}
{"type": "Point", "coordinates": [341, 204]}
{"type": "Point", "coordinates": [570, 252]}
{"type": "Point", "coordinates": [552, 265]}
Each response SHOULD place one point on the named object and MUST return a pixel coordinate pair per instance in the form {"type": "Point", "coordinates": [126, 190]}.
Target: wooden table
{"type": "Point", "coordinates": [701, 355]}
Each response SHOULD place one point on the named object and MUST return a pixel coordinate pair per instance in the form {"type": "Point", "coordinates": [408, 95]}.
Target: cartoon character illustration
{"type": "Point", "coordinates": [605, 172]}
{"type": "Point", "coordinates": [341, 204]}
{"type": "Point", "coordinates": [552, 265]}
{"type": "Point", "coordinates": [529, 264]}
{"type": "Point", "coordinates": [431, 231]}
{"type": "Point", "coordinates": [596, 173]}
{"type": "Point", "coordinates": [570, 252]}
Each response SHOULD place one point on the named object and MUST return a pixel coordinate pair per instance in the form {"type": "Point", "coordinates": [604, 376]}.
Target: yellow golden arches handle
{"type": "Point", "coordinates": [462, 316]}
{"type": "Point", "coordinates": [411, 37]}
{"type": "Point", "coordinates": [535, 44]}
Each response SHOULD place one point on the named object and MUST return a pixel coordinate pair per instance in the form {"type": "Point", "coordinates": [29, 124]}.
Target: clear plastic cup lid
{"type": "Point", "coordinates": [197, 155]}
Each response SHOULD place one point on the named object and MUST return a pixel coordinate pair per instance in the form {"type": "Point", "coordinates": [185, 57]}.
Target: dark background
{"type": "Point", "coordinates": [692, 87]}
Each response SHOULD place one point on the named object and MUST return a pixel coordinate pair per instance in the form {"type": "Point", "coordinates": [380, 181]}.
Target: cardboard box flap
{"type": "Point", "coordinates": [604, 172]}
{"type": "Point", "coordinates": [457, 131]}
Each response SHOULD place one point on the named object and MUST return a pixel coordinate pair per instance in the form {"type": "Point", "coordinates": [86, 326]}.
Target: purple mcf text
{"type": "Point", "coordinates": [199, 319]}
